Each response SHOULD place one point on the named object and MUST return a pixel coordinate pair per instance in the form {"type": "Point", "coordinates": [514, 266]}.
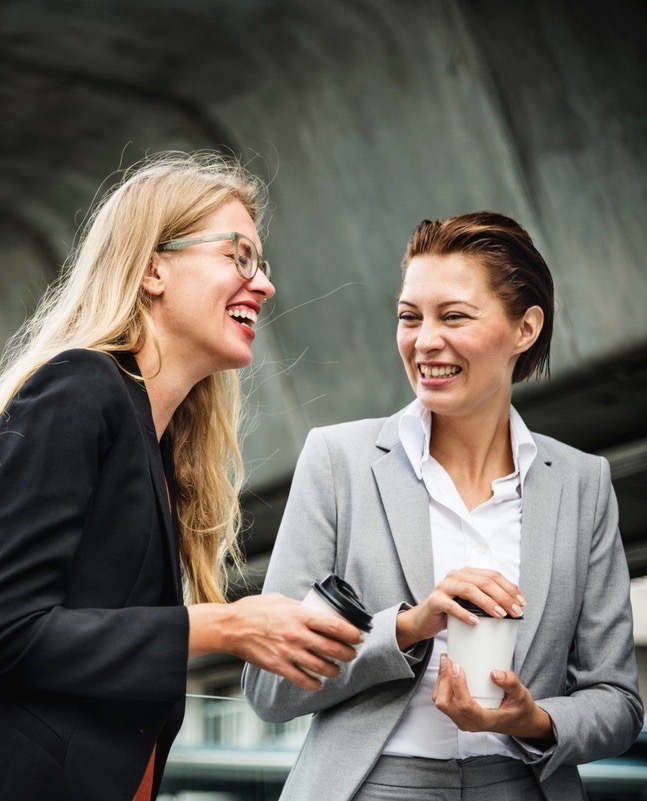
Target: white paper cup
{"type": "Point", "coordinates": [334, 596]}
{"type": "Point", "coordinates": [481, 649]}
{"type": "Point", "coordinates": [315, 601]}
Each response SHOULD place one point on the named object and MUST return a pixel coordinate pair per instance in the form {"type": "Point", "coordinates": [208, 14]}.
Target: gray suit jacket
{"type": "Point", "coordinates": [356, 508]}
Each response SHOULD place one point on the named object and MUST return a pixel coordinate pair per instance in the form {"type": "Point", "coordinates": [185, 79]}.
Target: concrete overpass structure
{"type": "Point", "coordinates": [365, 116]}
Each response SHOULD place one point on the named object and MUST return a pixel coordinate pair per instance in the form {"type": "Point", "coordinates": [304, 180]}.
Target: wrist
{"type": "Point", "coordinates": [405, 633]}
{"type": "Point", "coordinates": [540, 732]}
{"type": "Point", "coordinates": [207, 632]}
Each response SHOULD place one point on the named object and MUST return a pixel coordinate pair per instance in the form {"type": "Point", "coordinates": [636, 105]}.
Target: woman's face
{"type": "Point", "coordinates": [207, 312]}
{"type": "Point", "coordinates": [457, 343]}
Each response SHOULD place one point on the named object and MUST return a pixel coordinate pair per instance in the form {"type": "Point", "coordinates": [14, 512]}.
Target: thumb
{"type": "Point", "coordinates": [504, 678]}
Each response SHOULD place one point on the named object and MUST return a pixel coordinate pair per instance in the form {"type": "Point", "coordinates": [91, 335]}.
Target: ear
{"type": "Point", "coordinates": [153, 280]}
{"type": "Point", "coordinates": [530, 326]}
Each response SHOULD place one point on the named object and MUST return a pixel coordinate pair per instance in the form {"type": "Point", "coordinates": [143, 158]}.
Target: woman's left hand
{"type": "Point", "coordinates": [518, 716]}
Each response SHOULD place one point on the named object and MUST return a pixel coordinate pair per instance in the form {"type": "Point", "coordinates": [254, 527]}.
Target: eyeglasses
{"type": "Point", "coordinates": [245, 253]}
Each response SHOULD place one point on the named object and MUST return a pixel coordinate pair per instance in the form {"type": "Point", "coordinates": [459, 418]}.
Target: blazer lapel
{"type": "Point", "coordinates": [541, 500]}
{"type": "Point", "coordinates": [139, 397]}
{"type": "Point", "coordinates": [406, 505]}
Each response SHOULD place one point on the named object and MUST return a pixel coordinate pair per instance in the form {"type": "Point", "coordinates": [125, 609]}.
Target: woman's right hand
{"type": "Point", "coordinates": [275, 633]}
{"type": "Point", "coordinates": [486, 588]}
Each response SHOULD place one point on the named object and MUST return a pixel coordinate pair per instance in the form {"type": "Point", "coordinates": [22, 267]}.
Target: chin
{"type": "Point", "coordinates": [434, 403]}
{"type": "Point", "coordinates": [241, 361]}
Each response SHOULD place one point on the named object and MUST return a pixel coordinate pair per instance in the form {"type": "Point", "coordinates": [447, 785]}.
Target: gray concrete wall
{"type": "Point", "coordinates": [366, 115]}
{"type": "Point", "coordinates": [375, 115]}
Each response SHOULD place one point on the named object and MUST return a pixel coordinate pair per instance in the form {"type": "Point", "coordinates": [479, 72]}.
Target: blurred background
{"type": "Point", "coordinates": [364, 116]}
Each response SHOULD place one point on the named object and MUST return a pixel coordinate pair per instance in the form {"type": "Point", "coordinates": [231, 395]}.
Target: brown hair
{"type": "Point", "coordinates": [517, 273]}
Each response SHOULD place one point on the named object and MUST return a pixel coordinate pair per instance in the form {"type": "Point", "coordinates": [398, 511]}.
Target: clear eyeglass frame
{"type": "Point", "coordinates": [247, 259]}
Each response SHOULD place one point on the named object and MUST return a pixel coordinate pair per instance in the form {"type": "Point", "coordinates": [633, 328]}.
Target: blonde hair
{"type": "Point", "coordinates": [97, 303]}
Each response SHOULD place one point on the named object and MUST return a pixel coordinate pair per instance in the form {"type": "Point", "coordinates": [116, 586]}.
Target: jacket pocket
{"type": "Point", "coordinates": [30, 725]}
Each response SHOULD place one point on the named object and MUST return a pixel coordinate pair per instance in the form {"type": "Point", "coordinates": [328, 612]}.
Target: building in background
{"type": "Point", "coordinates": [365, 116]}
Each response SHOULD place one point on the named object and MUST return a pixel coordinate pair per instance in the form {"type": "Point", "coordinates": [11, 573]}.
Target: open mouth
{"type": "Point", "coordinates": [438, 371]}
{"type": "Point", "coordinates": [243, 315]}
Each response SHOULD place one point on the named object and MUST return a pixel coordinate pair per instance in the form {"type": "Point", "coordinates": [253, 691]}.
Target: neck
{"type": "Point", "coordinates": [476, 447]}
{"type": "Point", "coordinates": [167, 386]}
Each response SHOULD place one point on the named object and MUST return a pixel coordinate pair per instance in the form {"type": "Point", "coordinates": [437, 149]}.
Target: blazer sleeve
{"type": "Point", "coordinates": [54, 436]}
{"type": "Point", "coordinates": [601, 713]}
{"type": "Point", "coordinates": [304, 552]}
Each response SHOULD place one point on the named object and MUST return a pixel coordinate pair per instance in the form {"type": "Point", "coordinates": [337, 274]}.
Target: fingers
{"type": "Point", "coordinates": [443, 688]}
{"type": "Point", "coordinates": [488, 589]}
{"type": "Point", "coordinates": [284, 637]}
{"type": "Point", "coordinates": [300, 678]}
{"type": "Point", "coordinates": [507, 680]}
{"type": "Point", "coordinates": [452, 696]}
{"type": "Point", "coordinates": [331, 649]}
{"type": "Point", "coordinates": [451, 686]}
{"type": "Point", "coordinates": [518, 714]}
{"type": "Point", "coordinates": [332, 627]}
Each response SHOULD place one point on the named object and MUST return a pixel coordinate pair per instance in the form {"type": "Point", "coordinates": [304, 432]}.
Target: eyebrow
{"type": "Point", "coordinates": [440, 305]}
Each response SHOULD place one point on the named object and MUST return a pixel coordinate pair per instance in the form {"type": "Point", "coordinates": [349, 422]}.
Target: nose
{"type": "Point", "coordinates": [429, 337]}
{"type": "Point", "coordinates": [261, 285]}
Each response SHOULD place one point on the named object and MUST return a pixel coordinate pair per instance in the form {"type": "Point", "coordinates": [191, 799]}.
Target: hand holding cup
{"type": "Point", "coordinates": [334, 596]}
{"type": "Point", "coordinates": [482, 648]}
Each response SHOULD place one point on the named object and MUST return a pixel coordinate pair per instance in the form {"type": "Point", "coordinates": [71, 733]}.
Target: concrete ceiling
{"type": "Point", "coordinates": [365, 115]}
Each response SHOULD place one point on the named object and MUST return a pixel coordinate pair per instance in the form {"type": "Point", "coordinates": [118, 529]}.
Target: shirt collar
{"type": "Point", "coordinates": [414, 428]}
{"type": "Point", "coordinates": [524, 447]}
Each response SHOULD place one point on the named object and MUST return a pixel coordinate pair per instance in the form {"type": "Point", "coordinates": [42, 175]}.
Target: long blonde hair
{"type": "Point", "coordinates": [97, 303]}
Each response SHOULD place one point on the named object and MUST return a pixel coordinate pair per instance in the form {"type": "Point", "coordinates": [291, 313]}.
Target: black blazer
{"type": "Point", "coordinates": [93, 634]}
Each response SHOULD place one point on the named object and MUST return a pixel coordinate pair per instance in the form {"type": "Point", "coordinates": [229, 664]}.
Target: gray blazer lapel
{"type": "Point", "coordinates": [406, 505]}
{"type": "Point", "coordinates": [541, 500]}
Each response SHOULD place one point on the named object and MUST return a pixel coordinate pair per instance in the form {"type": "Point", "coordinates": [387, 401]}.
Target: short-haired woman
{"type": "Point", "coordinates": [450, 499]}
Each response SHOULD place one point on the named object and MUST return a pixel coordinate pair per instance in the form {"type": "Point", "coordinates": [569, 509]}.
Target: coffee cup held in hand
{"type": "Point", "coordinates": [481, 649]}
{"type": "Point", "coordinates": [334, 596]}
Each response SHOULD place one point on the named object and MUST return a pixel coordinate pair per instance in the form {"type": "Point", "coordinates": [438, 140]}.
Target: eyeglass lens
{"type": "Point", "coordinates": [247, 257]}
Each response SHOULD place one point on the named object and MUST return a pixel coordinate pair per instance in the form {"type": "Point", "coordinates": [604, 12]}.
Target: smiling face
{"type": "Point", "coordinates": [457, 343]}
{"type": "Point", "coordinates": [204, 312]}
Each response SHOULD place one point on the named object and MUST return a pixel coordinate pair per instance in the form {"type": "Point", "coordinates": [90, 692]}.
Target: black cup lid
{"type": "Point", "coordinates": [476, 610]}
{"type": "Point", "coordinates": [342, 597]}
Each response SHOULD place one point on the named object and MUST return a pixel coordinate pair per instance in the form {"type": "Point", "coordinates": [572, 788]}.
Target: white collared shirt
{"type": "Point", "coordinates": [489, 537]}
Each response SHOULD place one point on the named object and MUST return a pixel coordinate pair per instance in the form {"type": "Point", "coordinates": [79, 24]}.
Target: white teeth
{"type": "Point", "coordinates": [438, 372]}
{"type": "Point", "coordinates": [244, 314]}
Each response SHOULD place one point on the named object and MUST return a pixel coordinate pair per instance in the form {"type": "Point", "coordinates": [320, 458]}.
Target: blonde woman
{"type": "Point", "coordinates": [119, 480]}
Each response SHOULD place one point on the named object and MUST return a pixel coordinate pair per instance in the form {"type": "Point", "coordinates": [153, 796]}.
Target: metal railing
{"type": "Point", "coordinates": [224, 752]}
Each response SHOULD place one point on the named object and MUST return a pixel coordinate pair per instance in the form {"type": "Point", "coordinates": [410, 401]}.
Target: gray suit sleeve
{"type": "Point", "coordinates": [305, 551]}
{"type": "Point", "coordinates": [601, 705]}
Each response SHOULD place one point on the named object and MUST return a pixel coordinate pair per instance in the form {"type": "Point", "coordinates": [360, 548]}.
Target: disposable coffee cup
{"type": "Point", "coordinates": [481, 649]}
{"type": "Point", "coordinates": [334, 596]}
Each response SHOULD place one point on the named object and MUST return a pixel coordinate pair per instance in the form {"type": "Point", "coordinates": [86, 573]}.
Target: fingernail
{"type": "Point", "coordinates": [473, 620]}
{"type": "Point", "coordinates": [361, 638]}
{"type": "Point", "coordinates": [456, 670]}
{"type": "Point", "coordinates": [516, 610]}
{"type": "Point", "coordinates": [500, 612]}
{"type": "Point", "coordinates": [499, 675]}
{"type": "Point", "coordinates": [521, 599]}
{"type": "Point", "coordinates": [443, 661]}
